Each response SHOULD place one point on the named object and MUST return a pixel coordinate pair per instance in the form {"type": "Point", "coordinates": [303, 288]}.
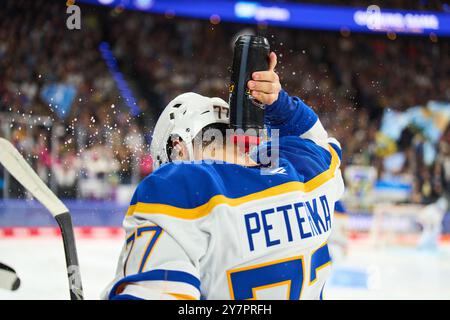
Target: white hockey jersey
{"type": "Point", "coordinates": [224, 231]}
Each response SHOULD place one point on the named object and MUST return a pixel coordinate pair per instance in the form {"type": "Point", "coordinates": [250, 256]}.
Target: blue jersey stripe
{"type": "Point", "coordinates": [125, 297]}
{"type": "Point", "coordinates": [339, 207]}
{"type": "Point", "coordinates": [157, 275]}
{"type": "Point", "coordinates": [337, 149]}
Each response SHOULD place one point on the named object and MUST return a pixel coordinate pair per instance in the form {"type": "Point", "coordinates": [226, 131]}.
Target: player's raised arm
{"type": "Point", "coordinates": [293, 118]}
{"type": "Point", "coordinates": [290, 115]}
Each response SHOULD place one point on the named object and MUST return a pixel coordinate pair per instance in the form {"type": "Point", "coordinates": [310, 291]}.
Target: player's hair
{"type": "Point", "coordinates": [221, 127]}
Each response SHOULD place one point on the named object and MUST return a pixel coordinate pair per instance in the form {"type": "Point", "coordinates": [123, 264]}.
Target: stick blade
{"type": "Point", "coordinates": [8, 278]}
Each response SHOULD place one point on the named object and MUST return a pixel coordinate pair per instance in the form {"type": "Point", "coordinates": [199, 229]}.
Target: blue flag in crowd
{"type": "Point", "coordinates": [59, 98]}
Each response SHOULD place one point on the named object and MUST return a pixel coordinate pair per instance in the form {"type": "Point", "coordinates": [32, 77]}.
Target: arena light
{"type": "Point", "coordinates": [106, 2]}
{"type": "Point", "coordinates": [377, 20]}
{"type": "Point", "coordinates": [298, 15]}
{"type": "Point", "coordinates": [144, 4]}
{"type": "Point", "coordinates": [248, 10]}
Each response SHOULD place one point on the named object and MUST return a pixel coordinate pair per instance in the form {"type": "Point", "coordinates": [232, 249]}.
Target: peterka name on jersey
{"type": "Point", "coordinates": [281, 225]}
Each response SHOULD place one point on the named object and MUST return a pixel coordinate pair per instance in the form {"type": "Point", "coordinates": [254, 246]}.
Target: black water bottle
{"type": "Point", "coordinates": [251, 53]}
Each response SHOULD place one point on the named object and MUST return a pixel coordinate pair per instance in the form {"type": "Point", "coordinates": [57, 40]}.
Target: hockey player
{"type": "Point", "coordinates": [222, 230]}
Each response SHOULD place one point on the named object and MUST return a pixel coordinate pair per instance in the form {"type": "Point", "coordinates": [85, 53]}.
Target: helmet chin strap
{"type": "Point", "coordinates": [190, 152]}
{"type": "Point", "coordinates": [187, 140]}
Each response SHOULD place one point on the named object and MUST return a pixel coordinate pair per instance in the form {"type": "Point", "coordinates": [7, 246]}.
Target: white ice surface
{"type": "Point", "coordinates": [393, 272]}
{"type": "Point", "coordinates": [365, 273]}
{"type": "Point", "coordinates": [40, 264]}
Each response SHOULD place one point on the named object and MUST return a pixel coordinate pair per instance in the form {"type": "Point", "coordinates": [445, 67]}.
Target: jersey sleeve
{"type": "Point", "coordinates": [296, 121]}
{"type": "Point", "coordinates": [160, 256]}
{"type": "Point", "coordinates": [292, 117]}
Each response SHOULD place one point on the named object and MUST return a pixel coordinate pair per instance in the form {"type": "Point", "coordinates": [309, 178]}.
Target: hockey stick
{"type": "Point", "coordinates": [8, 278]}
{"type": "Point", "coordinates": [16, 165]}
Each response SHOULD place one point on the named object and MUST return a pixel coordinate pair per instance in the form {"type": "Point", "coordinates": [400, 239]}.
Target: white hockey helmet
{"type": "Point", "coordinates": [185, 116]}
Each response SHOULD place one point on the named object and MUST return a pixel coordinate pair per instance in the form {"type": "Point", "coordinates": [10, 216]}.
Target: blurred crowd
{"type": "Point", "coordinates": [349, 79]}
